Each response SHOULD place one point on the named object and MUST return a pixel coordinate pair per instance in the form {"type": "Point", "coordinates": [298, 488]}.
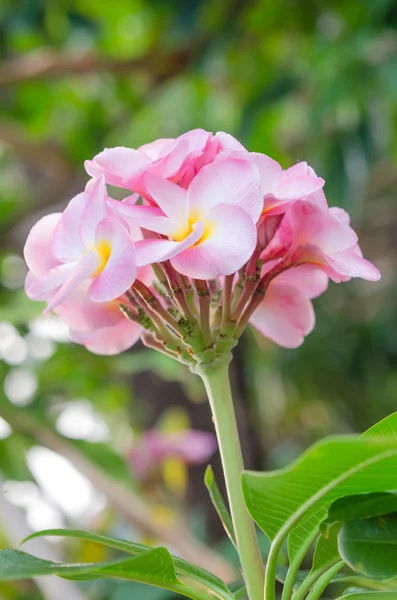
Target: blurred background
{"type": "Point", "coordinates": [120, 444]}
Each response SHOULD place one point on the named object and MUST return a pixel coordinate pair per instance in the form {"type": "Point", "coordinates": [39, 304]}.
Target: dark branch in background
{"type": "Point", "coordinates": [46, 65]}
{"type": "Point", "coordinates": [63, 182]}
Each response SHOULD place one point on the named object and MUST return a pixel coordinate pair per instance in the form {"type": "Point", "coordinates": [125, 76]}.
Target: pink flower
{"type": "Point", "coordinates": [210, 208]}
{"type": "Point", "coordinates": [312, 234]}
{"type": "Point", "coordinates": [209, 229]}
{"type": "Point", "coordinates": [177, 160]}
{"type": "Point", "coordinates": [281, 188]}
{"type": "Point", "coordinates": [286, 314]}
{"type": "Point", "coordinates": [101, 326]}
{"type": "Point", "coordinates": [87, 242]}
{"type": "Point", "coordinates": [154, 447]}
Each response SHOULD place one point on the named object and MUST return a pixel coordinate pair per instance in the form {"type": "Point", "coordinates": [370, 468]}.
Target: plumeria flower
{"type": "Point", "coordinates": [87, 242]}
{"type": "Point", "coordinates": [310, 234]}
{"type": "Point", "coordinates": [281, 188]}
{"type": "Point", "coordinates": [207, 230]}
{"type": "Point", "coordinates": [177, 160]}
{"type": "Point", "coordinates": [155, 447]}
{"type": "Point", "coordinates": [210, 208]}
{"type": "Point", "coordinates": [101, 326]}
{"type": "Point", "coordinates": [286, 315]}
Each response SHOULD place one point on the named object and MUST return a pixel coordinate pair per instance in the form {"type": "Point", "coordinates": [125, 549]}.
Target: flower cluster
{"type": "Point", "coordinates": [209, 238]}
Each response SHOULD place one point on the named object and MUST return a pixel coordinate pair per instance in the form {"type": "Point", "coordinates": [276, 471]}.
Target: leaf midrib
{"type": "Point", "coordinates": [294, 518]}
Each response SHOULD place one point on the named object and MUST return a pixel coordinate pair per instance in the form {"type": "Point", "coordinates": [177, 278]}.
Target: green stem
{"type": "Point", "coordinates": [271, 570]}
{"type": "Point", "coordinates": [309, 581]}
{"type": "Point", "coordinates": [295, 564]}
{"type": "Point", "coordinates": [324, 581]}
{"type": "Point", "coordinates": [227, 300]}
{"type": "Point", "coordinates": [217, 384]}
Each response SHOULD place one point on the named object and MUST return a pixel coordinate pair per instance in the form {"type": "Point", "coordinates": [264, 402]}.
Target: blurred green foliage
{"type": "Point", "coordinates": [305, 80]}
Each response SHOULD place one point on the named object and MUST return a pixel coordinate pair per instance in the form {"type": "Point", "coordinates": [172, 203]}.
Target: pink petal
{"type": "Point", "coordinates": [148, 217]}
{"type": "Point", "coordinates": [149, 251]}
{"type": "Point", "coordinates": [300, 168]}
{"type": "Point", "coordinates": [172, 199]}
{"type": "Point", "coordinates": [233, 181]}
{"type": "Point", "coordinates": [158, 148]}
{"type": "Point", "coordinates": [197, 139]}
{"type": "Point", "coordinates": [117, 165]}
{"type": "Point", "coordinates": [169, 165]}
{"type": "Point", "coordinates": [228, 142]}
{"type": "Point", "coordinates": [308, 279]}
{"type": "Point", "coordinates": [341, 214]}
{"type": "Point", "coordinates": [350, 263]}
{"type": "Point", "coordinates": [37, 250]}
{"type": "Point", "coordinates": [67, 245]}
{"type": "Point", "coordinates": [312, 226]}
{"type": "Point", "coordinates": [94, 210]}
{"type": "Point", "coordinates": [120, 270]}
{"type": "Point", "coordinates": [39, 287]}
{"type": "Point", "coordinates": [285, 316]}
{"type": "Point", "coordinates": [228, 242]}
{"type": "Point", "coordinates": [270, 171]}
{"type": "Point", "coordinates": [82, 271]}
{"type": "Point", "coordinates": [81, 314]}
{"type": "Point", "coordinates": [108, 340]}
{"type": "Point", "coordinates": [296, 187]}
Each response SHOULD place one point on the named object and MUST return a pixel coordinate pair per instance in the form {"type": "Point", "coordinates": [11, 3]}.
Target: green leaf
{"type": "Point", "coordinates": [370, 596]}
{"type": "Point", "coordinates": [326, 552]}
{"type": "Point", "coordinates": [155, 567]}
{"type": "Point", "coordinates": [219, 503]}
{"type": "Point", "coordinates": [333, 468]}
{"type": "Point", "coordinates": [369, 546]}
{"type": "Point", "coordinates": [386, 429]}
{"type": "Point", "coordinates": [182, 567]}
{"type": "Point", "coordinates": [359, 506]}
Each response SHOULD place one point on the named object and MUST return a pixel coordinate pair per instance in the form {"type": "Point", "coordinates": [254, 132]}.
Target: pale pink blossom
{"type": "Point", "coordinates": [281, 188]}
{"type": "Point", "coordinates": [286, 314]}
{"type": "Point", "coordinates": [207, 230]}
{"type": "Point", "coordinates": [101, 326]}
{"type": "Point", "coordinates": [155, 447]}
{"type": "Point", "coordinates": [311, 234]}
{"type": "Point", "coordinates": [177, 160]}
{"type": "Point", "coordinates": [88, 241]}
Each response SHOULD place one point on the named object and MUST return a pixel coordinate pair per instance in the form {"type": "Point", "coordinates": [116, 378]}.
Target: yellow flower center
{"type": "Point", "coordinates": [103, 249]}
{"type": "Point", "coordinates": [182, 233]}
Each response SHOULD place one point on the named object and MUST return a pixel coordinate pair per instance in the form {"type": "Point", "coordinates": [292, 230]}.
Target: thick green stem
{"type": "Point", "coordinates": [324, 581]}
{"type": "Point", "coordinates": [271, 569]}
{"type": "Point", "coordinates": [309, 582]}
{"type": "Point", "coordinates": [294, 566]}
{"type": "Point", "coordinates": [216, 381]}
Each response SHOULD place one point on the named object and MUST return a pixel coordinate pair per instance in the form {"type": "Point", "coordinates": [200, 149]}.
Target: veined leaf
{"type": "Point", "coordinates": [155, 567]}
{"type": "Point", "coordinates": [333, 468]}
{"type": "Point", "coordinates": [326, 552]}
{"type": "Point", "coordinates": [369, 546]}
{"type": "Point", "coordinates": [370, 596]}
{"type": "Point", "coordinates": [358, 507]}
{"type": "Point", "coordinates": [182, 567]}
{"type": "Point", "coordinates": [386, 429]}
{"type": "Point", "coordinates": [219, 503]}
